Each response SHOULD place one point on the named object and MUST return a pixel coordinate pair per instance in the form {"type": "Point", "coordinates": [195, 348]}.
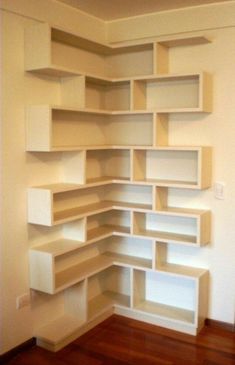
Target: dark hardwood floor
{"type": "Point", "coordinates": [123, 341]}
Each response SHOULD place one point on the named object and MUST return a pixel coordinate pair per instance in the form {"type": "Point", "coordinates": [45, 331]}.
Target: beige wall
{"type": "Point", "coordinates": [22, 170]}
{"type": "Point", "coordinates": [198, 18]}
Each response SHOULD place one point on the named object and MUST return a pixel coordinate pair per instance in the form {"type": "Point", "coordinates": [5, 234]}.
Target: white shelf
{"type": "Point", "coordinates": [166, 311]}
{"type": "Point", "coordinates": [105, 207]}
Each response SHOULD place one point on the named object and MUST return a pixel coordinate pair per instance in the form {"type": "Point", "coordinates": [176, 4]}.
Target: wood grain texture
{"type": "Point", "coordinates": [122, 341]}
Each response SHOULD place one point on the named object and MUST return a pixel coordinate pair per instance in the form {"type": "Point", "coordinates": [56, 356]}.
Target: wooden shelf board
{"type": "Point", "coordinates": [168, 236]}
{"type": "Point", "coordinates": [169, 183]}
{"type": "Point", "coordinates": [124, 147]}
{"type": "Point", "coordinates": [107, 299]}
{"type": "Point", "coordinates": [58, 247]}
{"type": "Point", "coordinates": [131, 206]}
{"type": "Point", "coordinates": [80, 212]}
{"type": "Point", "coordinates": [91, 209]}
{"type": "Point", "coordinates": [106, 230]}
{"type": "Point", "coordinates": [181, 270]}
{"type": "Point", "coordinates": [55, 71]}
{"type": "Point", "coordinates": [170, 312]}
{"type": "Point", "coordinates": [173, 42]}
{"type": "Point", "coordinates": [195, 109]}
{"type": "Point", "coordinates": [177, 148]}
{"type": "Point", "coordinates": [131, 112]}
{"type": "Point", "coordinates": [80, 271]}
{"type": "Point", "coordinates": [76, 109]}
{"type": "Point", "coordinates": [60, 187]}
{"type": "Point", "coordinates": [96, 147]}
{"type": "Point", "coordinates": [129, 261]}
{"type": "Point", "coordinates": [168, 77]}
{"type": "Point", "coordinates": [107, 179]}
{"type": "Point", "coordinates": [61, 71]}
{"type": "Point", "coordinates": [99, 111]}
{"type": "Point", "coordinates": [79, 148]}
{"type": "Point", "coordinates": [182, 212]}
{"type": "Point", "coordinates": [187, 41]}
{"type": "Point", "coordinates": [58, 329]}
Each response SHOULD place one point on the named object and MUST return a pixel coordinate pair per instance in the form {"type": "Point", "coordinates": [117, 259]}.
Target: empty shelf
{"type": "Point", "coordinates": [77, 272]}
{"type": "Point", "coordinates": [126, 260]}
{"type": "Point", "coordinates": [166, 311]}
{"type": "Point", "coordinates": [168, 236]}
{"type": "Point", "coordinates": [102, 302]}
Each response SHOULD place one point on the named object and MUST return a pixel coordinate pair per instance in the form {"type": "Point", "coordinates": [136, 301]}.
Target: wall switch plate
{"type": "Point", "coordinates": [23, 300]}
{"type": "Point", "coordinates": [219, 190]}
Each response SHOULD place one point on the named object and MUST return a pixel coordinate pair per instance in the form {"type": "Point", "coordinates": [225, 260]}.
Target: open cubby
{"type": "Point", "coordinates": [130, 251]}
{"type": "Point", "coordinates": [108, 164]}
{"type": "Point", "coordinates": [173, 167]}
{"type": "Point", "coordinates": [110, 96]}
{"type": "Point", "coordinates": [72, 129]}
{"type": "Point", "coordinates": [109, 287]}
{"type": "Point", "coordinates": [106, 224]}
{"type": "Point", "coordinates": [165, 263]}
{"type": "Point", "coordinates": [130, 196]}
{"type": "Point", "coordinates": [165, 296]}
{"type": "Point", "coordinates": [171, 93]}
{"type": "Point", "coordinates": [166, 228]}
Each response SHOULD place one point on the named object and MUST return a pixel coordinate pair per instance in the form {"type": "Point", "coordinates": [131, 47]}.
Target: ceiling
{"type": "Point", "coordinates": [117, 9]}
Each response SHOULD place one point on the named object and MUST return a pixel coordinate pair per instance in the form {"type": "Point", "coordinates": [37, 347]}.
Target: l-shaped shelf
{"type": "Point", "coordinates": [53, 51]}
{"type": "Point", "coordinates": [47, 124]}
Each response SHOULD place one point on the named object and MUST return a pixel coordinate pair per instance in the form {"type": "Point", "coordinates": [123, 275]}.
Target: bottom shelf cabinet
{"type": "Point", "coordinates": [146, 295]}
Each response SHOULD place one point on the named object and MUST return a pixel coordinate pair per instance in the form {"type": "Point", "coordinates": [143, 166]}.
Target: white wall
{"type": "Point", "coordinates": [22, 170]}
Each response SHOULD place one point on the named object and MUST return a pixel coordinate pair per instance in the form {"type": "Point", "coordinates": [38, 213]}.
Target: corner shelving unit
{"type": "Point", "coordinates": [111, 207]}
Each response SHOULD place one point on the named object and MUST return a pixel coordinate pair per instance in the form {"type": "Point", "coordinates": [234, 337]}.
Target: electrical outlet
{"type": "Point", "coordinates": [23, 300]}
{"type": "Point", "coordinates": [219, 190]}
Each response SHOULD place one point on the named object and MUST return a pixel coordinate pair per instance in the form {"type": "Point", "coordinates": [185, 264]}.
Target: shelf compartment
{"type": "Point", "coordinates": [60, 264]}
{"type": "Point", "coordinates": [162, 264]}
{"type": "Point", "coordinates": [171, 93]}
{"type": "Point", "coordinates": [178, 167]}
{"type": "Point", "coordinates": [52, 206]}
{"type": "Point", "coordinates": [153, 293]}
{"type": "Point", "coordinates": [78, 272]}
{"type": "Point", "coordinates": [108, 288]}
{"type": "Point", "coordinates": [129, 251]}
{"type": "Point", "coordinates": [55, 52]}
{"type": "Point", "coordinates": [179, 229]}
{"type": "Point", "coordinates": [52, 263]}
{"type": "Point", "coordinates": [108, 97]}
{"type": "Point", "coordinates": [55, 128]}
{"type": "Point", "coordinates": [129, 197]}
{"type": "Point", "coordinates": [104, 225]}
{"type": "Point", "coordinates": [108, 164]}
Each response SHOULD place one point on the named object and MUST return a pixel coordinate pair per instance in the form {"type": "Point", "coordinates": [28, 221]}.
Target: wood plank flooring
{"type": "Point", "coordinates": [123, 341]}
